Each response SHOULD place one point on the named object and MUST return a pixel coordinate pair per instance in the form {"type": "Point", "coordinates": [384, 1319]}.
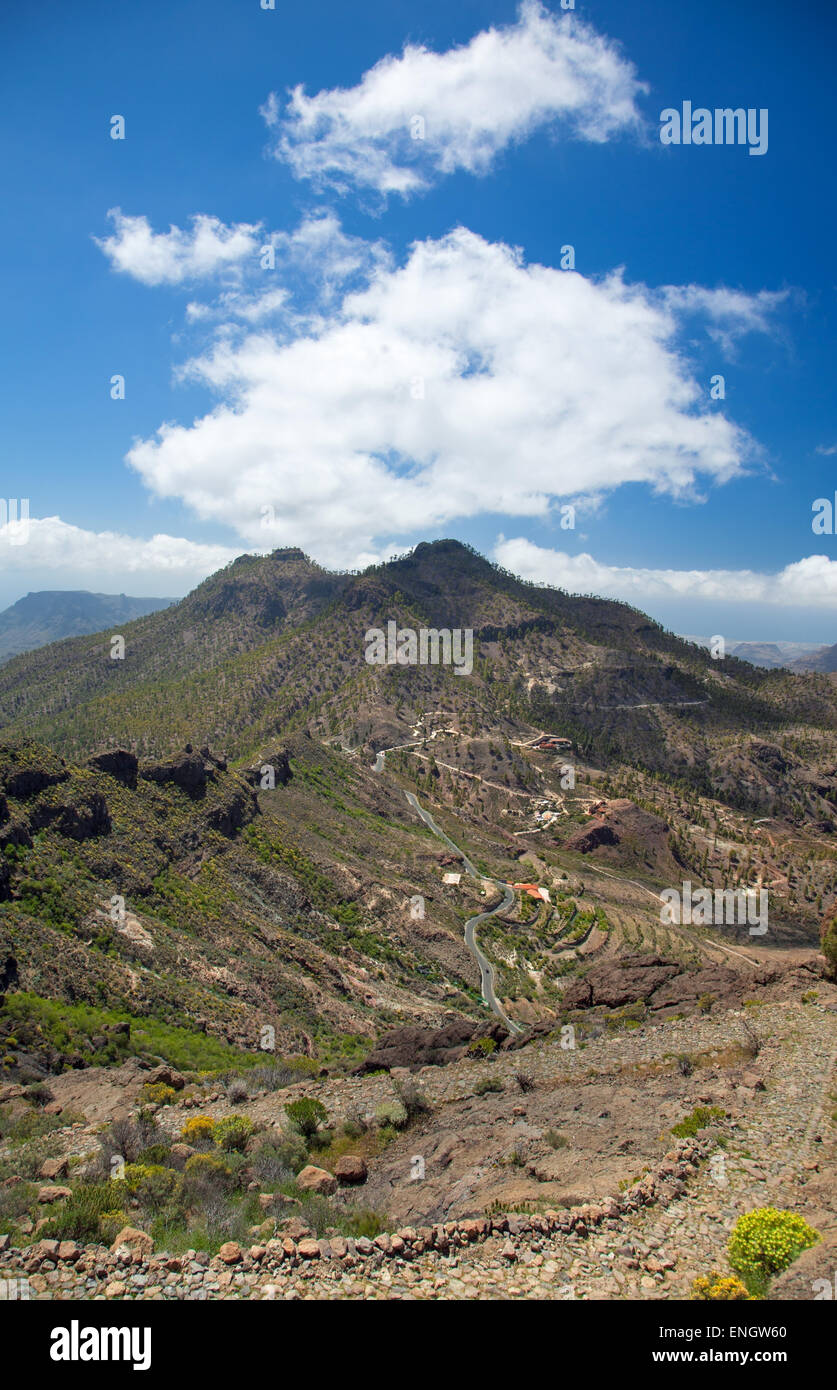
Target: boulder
{"type": "Point", "coordinates": [138, 1242]}
{"type": "Point", "coordinates": [165, 1076]}
{"type": "Point", "coordinates": [179, 1154]}
{"type": "Point", "coordinates": [752, 1081]}
{"type": "Point", "coordinates": [53, 1168]}
{"type": "Point", "coordinates": [313, 1179]}
{"type": "Point", "coordinates": [231, 1253]}
{"type": "Point", "coordinates": [351, 1169]}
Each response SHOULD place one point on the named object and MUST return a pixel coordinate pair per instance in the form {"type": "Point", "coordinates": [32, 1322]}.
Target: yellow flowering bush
{"type": "Point", "coordinates": [200, 1129]}
{"type": "Point", "coordinates": [766, 1241]}
{"type": "Point", "coordinates": [157, 1093]}
{"type": "Point", "coordinates": [233, 1132]}
{"type": "Point", "coordinates": [719, 1287]}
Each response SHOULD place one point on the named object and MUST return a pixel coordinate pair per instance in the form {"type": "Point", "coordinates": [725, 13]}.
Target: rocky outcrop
{"type": "Point", "coordinates": [117, 763]}
{"type": "Point", "coordinates": [423, 1047]}
{"type": "Point", "coordinates": [618, 982]}
{"type": "Point", "coordinates": [663, 984]}
{"type": "Point", "coordinates": [717, 982]}
{"type": "Point", "coordinates": [591, 837]}
{"type": "Point", "coordinates": [234, 813]}
{"type": "Point", "coordinates": [188, 772]}
{"type": "Point", "coordinates": [279, 760]}
{"type": "Point", "coordinates": [78, 817]}
{"type": "Point", "coordinates": [28, 779]}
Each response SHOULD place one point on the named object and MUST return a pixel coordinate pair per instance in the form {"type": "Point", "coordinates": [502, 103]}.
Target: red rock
{"type": "Point", "coordinates": [351, 1169]}
{"type": "Point", "coordinates": [313, 1179]}
{"type": "Point", "coordinates": [135, 1240]}
{"type": "Point", "coordinates": [53, 1168]}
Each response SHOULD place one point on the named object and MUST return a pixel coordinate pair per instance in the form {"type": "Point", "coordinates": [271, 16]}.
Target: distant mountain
{"type": "Point", "coordinates": [275, 644]}
{"type": "Point", "coordinates": [821, 659]}
{"type": "Point", "coordinates": [52, 614]}
{"type": "Point", "coordinates": [795, 656]}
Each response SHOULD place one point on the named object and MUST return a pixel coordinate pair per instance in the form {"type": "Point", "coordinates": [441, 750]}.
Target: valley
{"type": "Point", "coordinates": [244, 867]}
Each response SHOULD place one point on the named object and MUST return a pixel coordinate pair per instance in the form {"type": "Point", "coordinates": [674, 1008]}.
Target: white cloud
{"type": "Point", "coordinates": [729, 313]}
{"type": "Point", "coordinates": [48, 543]}
{"type": "Point", "coordinates": [811, 581]}
{"type": "Point", "coordinates": [464, 382]}
{"type": "Point", "coordinates": [168, 258]}
{"type": "Point", "coordinates": [475, 100]}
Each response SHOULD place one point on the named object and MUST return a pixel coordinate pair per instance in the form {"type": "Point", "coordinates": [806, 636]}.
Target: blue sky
{"type": "Point", "coordinates": [403, 372]}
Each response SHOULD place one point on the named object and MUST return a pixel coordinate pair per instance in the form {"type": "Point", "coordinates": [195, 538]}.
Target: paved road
{"type": "Point", "coordinates": [485, 967]}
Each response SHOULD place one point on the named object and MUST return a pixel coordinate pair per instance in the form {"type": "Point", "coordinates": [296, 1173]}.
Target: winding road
{"type": "Point", "coordinates": [486, 968]}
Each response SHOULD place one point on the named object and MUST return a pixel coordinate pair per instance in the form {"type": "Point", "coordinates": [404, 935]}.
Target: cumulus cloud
{"type": "Point", "coordinates": [48, 543]}
{"type": "Point", "coordinates": [473, 100]}
{"type": "Point", "coordinates": [463, 382]}
{"type": "Point", "coordinates": [169, 258]}
{"type": "Point", "coordinates": [811, 581]}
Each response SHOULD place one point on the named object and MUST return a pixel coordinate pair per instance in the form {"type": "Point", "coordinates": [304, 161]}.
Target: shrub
{"type": "Point", "coordinates": [719, 1287]}
{"type": "Point", "coordinates": [766, 1241]}
{"type": "Point", "coordinates": [271, 1077]}
{"type": "Point", "coordinates": [237, 1092]}
{"type": "Point", "coordinates": [205, 1176]}
{"type": "Point", "coordinates": [157, 1094]}
{"type": "Point", "coordinates": [151, 1184]}
{"type": "Point", "coordinates": [481, 1047]}
{"type": "Point", "coordinates": [278, 1161]}
{"type": "Point", "coordinates": [700, 1117]}
{"type": "Point", "coordinates": [126, 1139]}
{"type": "Point", "coordinates": [685, 1065]}
{"type": "Point", "coordinates": [157, 1154]}
{"type": "Point", "coordinates": [486, 1084]}
{"type": "Point", "coordinates": [233, 1132]}
{"type": "Point", "coordinates": [80, 1216]}
{"type": "Point", "coordinates": [198, 1131]}
{"type": "Point", "coordinates": [705, 1003]}
{"type": "Point", "coordinates": [306, 1115]}
{"type": "Point", "coordinates": [391, 1114]}
{"type": "Point", "coordinates": [524, 1081]}
{"type": "Point", "coordinates": [111, 1223]}
{"type": "Point", "coordinates": [39, 1094]}
{"type": "Point", "coordinates": [556, 1140]}
{"type": "Point", "coordinates": [414, 1101]}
